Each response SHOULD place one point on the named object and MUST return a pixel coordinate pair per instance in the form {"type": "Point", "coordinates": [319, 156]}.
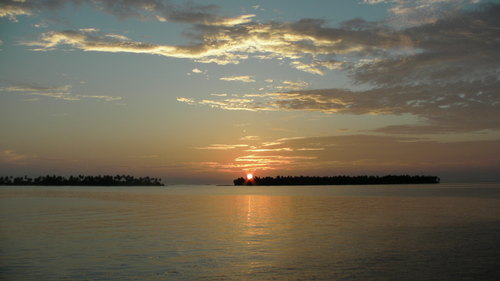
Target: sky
{"type": "Point", "coordinates": [207, 91]}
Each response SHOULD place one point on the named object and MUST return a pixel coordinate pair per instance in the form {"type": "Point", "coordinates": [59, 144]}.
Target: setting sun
{"type": "Point", "coordinates": [249, 176]}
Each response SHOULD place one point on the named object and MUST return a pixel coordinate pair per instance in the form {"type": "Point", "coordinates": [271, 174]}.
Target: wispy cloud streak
{"type": "Point", "coordinates": [60, 93]}
{"type": "Point", "coordinates": [222, 146]}
{"type": "Point", "coordinates": [242, 78]}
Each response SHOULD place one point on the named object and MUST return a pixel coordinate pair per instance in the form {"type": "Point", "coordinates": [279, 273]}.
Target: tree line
{"type": "Point", "coordinates": [81, 180]}
{"type": "Point", "coordinates": [338, 180]}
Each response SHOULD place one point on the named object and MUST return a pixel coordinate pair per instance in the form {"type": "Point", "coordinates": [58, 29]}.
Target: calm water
{"type": "Point", "coordinates": [429, 232]}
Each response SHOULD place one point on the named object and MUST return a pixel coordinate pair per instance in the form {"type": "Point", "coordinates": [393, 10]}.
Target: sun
{"type": "Point", "coordinates": [249, 176]}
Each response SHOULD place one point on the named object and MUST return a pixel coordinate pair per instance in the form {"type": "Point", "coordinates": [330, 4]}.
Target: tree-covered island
{"type": "Point", "coordinates": [338, 180]}
{"type": "Point", "coordinates": [81, 180]}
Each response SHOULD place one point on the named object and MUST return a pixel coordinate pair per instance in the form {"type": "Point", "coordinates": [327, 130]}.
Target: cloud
{"type": "Point", "coordinates": [372, 2]}
{"type": "Point", "coordinates": [198, 71]}
{"type": "Point", "coordinates": [405, 13]}
{"type": "Point", "coordinates": [96, 41]}
{"type": "Point", "coordinates": [386, 153]}
{"type": "Point", "coordinates": [292, 85]}
{"type": "Point", "coordinates": [242, 78]}
{"type": "Point", "coordinates": [11, 156]}
{"type": "Point", "coordinates": [12, 9]}
{"type": "Point", "coordinates": [100, 97]}
{"type": "Point", "coordinates": [188, 12]}
{"type": "Point", "coordinates": [229, 103]}
{"type": "Point", "coordinates": [222, 146]}
{"type": "Point", "coordinates": [306, 43]}
{"type": "Point", "coordinates": [310, 149]}
{"type": "Point", "coordinates": [473, 56]}
{"type": "Point", "coordinates": [250, 138]}
{"type": "Point", "coordinates": [186, 100]}
{"type": "Point", "coordinates": [440, 69]}
{"type": "Point", "coordinates": [453, 107]}
{"type": "Point", "coordinates": [254, 162]}
{"type": "Point", "coordinates": [362, 154]}
{"type": "Point", "coordinates": [449, 89]}
{"type": "Point", "coordinates": [143, 9]}
{"type": "Point", "coordinates": [318, 67]}
{"type": "Point", "coordinates": [269, 149]}
{"type": "Point", "coordinates": [264, 156]}
{"type": "Point", "coordinates": [61, 93]}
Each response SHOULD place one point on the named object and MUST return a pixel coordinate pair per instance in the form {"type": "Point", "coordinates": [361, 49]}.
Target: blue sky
{"type": "Point", "coordinates": [197, 92]}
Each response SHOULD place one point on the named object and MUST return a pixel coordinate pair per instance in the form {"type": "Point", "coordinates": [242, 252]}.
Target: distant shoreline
{"type": "Point", "coordinates": [338, 180]}
{"type": "Point", "coordinates": [81, 180]}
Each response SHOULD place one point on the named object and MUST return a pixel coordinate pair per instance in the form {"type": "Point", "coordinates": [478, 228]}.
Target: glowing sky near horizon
{"type": "Point", "coordinates": [204, 92]}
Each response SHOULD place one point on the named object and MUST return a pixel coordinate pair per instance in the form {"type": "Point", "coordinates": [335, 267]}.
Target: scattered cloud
{"type": "Point", "coordinates": [453, 107]}
{"type": "Point", "coordinates": [245, 104]}
{"type": "Point", "coordinates": [60, 93]}
{"type": "Point", "coordinates": [292, 85]}
{"type": "Point", "coordinates": [362, 154]}
{"type": "Point", "coordinates": [242, 78]}
{"type": "Point", "coordinates": [196, 70]}
{"type": "Point", "coordinates": [450, 90]}
{"type": "Point", "coordinates": [270, 162]}
{"type": "Point", "coordinates": [369, 152]}
{"type": "Point", "coordinates": [406, 68]}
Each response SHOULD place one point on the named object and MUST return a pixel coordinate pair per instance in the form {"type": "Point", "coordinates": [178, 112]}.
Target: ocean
{"type": "Point", "coordinates": [396, 232]}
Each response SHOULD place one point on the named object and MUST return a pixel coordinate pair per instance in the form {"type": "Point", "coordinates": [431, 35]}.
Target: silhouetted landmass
{"type": "Point", "coordinates": [106, 180]}
{"type": "Point", "coordinates": [339, 180]}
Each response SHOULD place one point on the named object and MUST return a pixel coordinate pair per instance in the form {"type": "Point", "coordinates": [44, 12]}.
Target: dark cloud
{"type": "Point", "coordinates": [446, 72]}
{"type": "Point", "coordinates": [143, 9]}
{"type": "Point", "coordinates": [461, 47]}
{"type": "Point", "coordinates": [188, 12]}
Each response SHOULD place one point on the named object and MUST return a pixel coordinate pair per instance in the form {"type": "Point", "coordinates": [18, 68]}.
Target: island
{"type": "Point", "coordinates": [338, 180]}
{"type": "Point", "coordinates": [81, 180]}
